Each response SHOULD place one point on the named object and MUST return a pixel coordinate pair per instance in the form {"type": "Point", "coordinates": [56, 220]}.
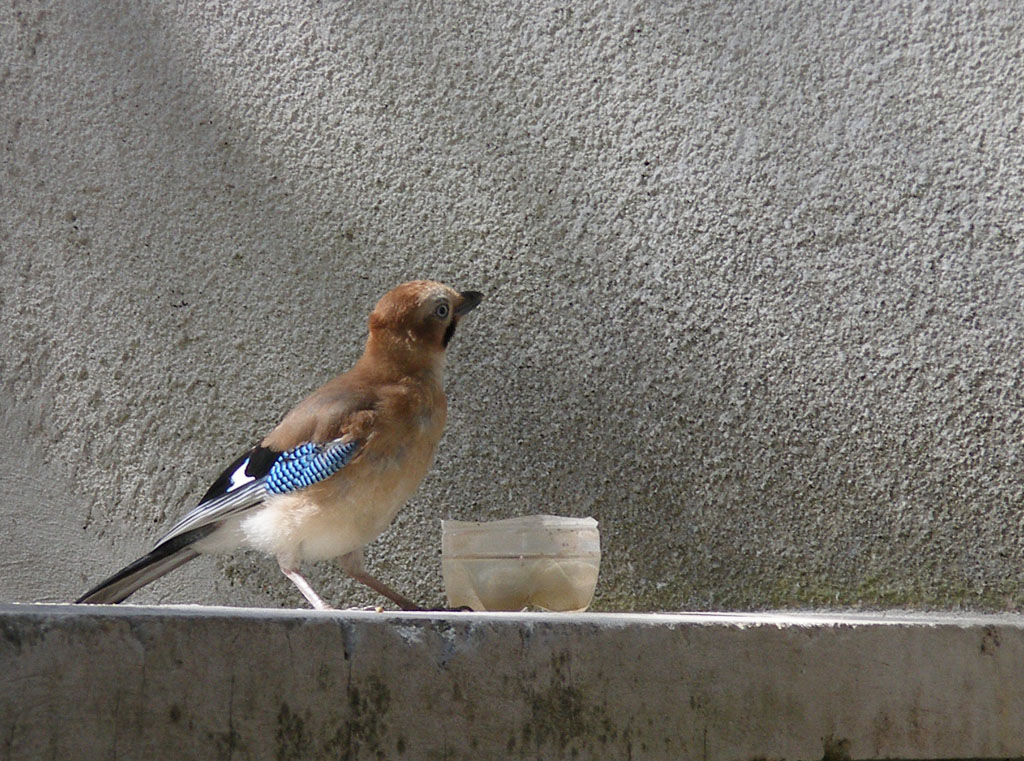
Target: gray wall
{"type": "Point", "coordinates": [754, 277]}
{"type": "Point", "coordinates": [132, 683]}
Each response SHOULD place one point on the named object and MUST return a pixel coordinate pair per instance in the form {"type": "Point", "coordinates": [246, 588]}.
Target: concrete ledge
{"type": "Point", "coordinates": [186, 682]}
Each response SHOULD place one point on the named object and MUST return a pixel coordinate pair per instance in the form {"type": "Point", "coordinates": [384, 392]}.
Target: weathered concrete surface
{"type": "Point", "coordinates": [754, 276]}
{"type": "Point", "coordinates": [171, 683]}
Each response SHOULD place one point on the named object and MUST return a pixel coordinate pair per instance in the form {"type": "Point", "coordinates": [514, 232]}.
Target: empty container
{"type": "Point", "coordinates": [541, 560]}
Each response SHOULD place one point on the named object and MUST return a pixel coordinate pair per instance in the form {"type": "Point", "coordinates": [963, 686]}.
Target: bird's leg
{"type": "Point", "coordinates": [307, 591]}
{"type": "Point", "coordinates": [352, 564]}
{"type": "Point", "coordinates": [380, 587]}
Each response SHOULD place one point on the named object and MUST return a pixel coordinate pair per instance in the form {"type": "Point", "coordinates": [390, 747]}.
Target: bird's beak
{"type": "Point", "coordinates": [470, 299]}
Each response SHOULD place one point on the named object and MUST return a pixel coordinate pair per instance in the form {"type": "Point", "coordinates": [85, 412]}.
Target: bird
{"type": "Point", "coordinates": [333, 474]}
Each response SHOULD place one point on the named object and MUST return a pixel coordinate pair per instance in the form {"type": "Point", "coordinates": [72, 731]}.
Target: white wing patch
{"type": "Point", "coordinates": [239, 477]}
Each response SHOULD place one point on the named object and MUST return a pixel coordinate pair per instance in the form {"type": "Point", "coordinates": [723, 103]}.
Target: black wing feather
{"type": "Point", "coordinates": [261, 459]}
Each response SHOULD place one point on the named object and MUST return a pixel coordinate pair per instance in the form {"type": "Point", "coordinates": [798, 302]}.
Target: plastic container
{"type": "Point", "coordinates": [540, 560]}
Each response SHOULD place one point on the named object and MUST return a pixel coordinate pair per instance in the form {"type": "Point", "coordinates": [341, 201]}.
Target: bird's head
{"type": "Point", "coordinates": [417, 320]}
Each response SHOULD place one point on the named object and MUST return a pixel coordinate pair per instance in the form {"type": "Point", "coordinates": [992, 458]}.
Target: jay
{"type": "Point", "coordinates": [332, 475]}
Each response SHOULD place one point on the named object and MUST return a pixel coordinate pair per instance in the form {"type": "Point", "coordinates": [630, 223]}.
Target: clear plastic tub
{"type": "Point", "coordinates": [541, 560]}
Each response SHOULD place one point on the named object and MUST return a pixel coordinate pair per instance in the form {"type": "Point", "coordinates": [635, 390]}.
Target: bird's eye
{"type": "Point", "coordinates": [441, 311]}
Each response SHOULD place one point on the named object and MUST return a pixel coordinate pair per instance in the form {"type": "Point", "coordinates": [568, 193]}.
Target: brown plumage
{"type": "Point", "coordinates": [383, 419]}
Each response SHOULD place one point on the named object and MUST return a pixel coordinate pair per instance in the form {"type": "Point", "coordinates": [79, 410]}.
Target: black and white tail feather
{"type": "Point", "coordinates": [244, 485]}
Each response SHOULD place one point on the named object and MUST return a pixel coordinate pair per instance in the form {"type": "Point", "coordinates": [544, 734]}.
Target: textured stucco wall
{"type": "Point", "coordinates": [754, 277]}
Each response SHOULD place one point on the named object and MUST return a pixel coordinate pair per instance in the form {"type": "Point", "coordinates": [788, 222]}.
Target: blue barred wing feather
{"type": "Point", "coordinates": [260, 472]}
